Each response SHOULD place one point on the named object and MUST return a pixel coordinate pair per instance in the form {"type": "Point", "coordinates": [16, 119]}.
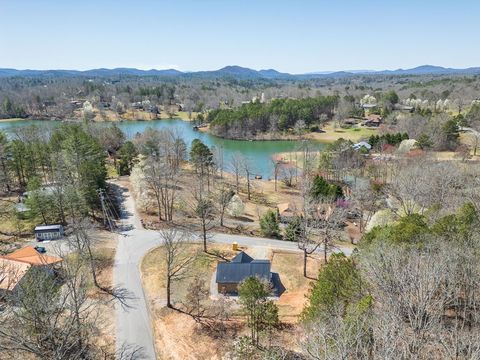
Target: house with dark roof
{"type": "Point", "coordinates": [373, 120]}
{"type": "Point", "coordinates": [231, 274]}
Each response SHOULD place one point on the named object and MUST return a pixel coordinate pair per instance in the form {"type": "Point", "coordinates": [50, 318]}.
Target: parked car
{"type": "Point", "coordinates": [41, 249]}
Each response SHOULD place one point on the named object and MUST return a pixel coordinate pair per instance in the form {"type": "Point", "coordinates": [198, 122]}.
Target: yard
{"type": "Point", "coordinates": [178, 336]}
{"type": "Point", "coordinates": [133, 114]}
{"type": "Point", "coordinates": [13, 228]}
{"type": "Point", "coordinates": [104, 255]}
{"type": "Point", "coordinates": [331, 133]}
{"type": "Point", "coordinates": [263, 198]}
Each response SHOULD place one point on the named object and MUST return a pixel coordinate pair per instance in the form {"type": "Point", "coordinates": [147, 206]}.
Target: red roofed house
{"type": "Point", "coordinates": [14, 267]}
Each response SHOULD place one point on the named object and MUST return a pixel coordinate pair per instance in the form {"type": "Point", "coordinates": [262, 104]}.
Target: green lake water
{"type": "Point", "coordinates": [259, 153]}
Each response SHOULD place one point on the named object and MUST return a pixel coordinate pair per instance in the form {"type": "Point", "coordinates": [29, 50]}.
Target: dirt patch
{"type": "Point", "coordinates": [289, 266]}
{"type": "Point", "coordinates": [178, 337]}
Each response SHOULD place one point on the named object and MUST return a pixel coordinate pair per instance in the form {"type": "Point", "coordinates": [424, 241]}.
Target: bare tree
{"type": "Point", "coordinates": [276, 163]}
{"type": "Point", "coordinates": [335, 338]}
{"type": "Point", "coordinates": [236, 165]}
{"type": "Point", "coordinates": [162, 179]}
{"type": "Point", "coordinates": [413, 181]}
{"type": "Point", "coordinates": [83, 242]}
{"type": "Point", "coordinates": [223, 196]}
{"type": "Point", "coordinates": [329, 221]}
{"type": "Point", "coordinates": [367, 201]}
{"type": "Point", "coordinates": [288, 172]}
{"type": "Point", "coordinates": [52, 319]}
{"type": "Point", "coordinates": [204, 210]}
{"type": "Point", "coordinates": [210, 315]}
{"type": "Point", "coordinates": [218, 158]}
{"type": "Point", "coordinates": [177, 258]}
{"type": "Point", "coordinates": [248, 170]}
{"type": "Point", "coordinates": [474, 140]}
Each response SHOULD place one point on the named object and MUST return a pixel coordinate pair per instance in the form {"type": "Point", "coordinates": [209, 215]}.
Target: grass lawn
{"type": "Point", "coordinates": [13, 227]}
{"type": "Point", "coordinates": [332, 134]}
{"type": "Point", "coordinates": [184, 115]}
{"type": "Point", "coordinates": [109, 115]}
{"type": "Point", "coordinates": [153, 270]}
{"type": "Point", "coordinates": [178, 336]}
{"type": "Point", "coordinates": [289, 266]}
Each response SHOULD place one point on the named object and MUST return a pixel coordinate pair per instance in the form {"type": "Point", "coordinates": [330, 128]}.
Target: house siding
{"type": "Point", "coordinates": [226, 288]}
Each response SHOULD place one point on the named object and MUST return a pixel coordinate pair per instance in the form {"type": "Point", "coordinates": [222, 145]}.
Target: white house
{"type": "Point", "coordinates": [361, 144]}
{"type": "Point", "coordinates": [48, 232]}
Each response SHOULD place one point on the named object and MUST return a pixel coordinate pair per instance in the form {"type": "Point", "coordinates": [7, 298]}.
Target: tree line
{"type": "Point", "coordinates": [61, 169]}
{"type": "Point", "coordinates": [279, 115]}
{"type": "Point", "coordinates": [410, 292]}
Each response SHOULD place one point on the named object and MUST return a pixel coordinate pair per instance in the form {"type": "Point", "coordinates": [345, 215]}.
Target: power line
{"type": "Point", "coordinates": [107, 218]}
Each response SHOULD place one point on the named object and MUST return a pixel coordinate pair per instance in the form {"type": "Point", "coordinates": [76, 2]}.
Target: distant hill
{"type": "Point", "coordinates": [234, 71]}
{"type": "Point", "coordinates": [88, 73]}
{"type": "Point", "coordinates": [431, 70]}
{"type": "Point", "coordinates": [239, 72]}
{"type": "Point", "coordinates": [131, 72]}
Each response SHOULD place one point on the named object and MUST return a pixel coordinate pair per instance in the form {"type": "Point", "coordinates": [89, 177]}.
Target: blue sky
{"type": "Point", "coordinates": [291, 36]}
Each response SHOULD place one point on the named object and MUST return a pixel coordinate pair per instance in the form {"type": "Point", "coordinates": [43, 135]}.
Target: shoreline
{"type": "Point", "coordinates": [14, 119]}
{"type": "Point", "coordinates": [327, 136]}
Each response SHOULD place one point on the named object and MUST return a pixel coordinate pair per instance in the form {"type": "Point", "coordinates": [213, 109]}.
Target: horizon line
{"type": "Point", "coordinates": [176, 68]}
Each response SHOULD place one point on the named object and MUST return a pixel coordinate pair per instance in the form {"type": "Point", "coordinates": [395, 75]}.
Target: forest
{"type": "Point", "coordinates": [277, 116]}
{"type": "Point", "coordinates": [60, 96]}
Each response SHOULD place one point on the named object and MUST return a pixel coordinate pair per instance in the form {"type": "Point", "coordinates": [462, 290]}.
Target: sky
{"type": "Point", "coordinates": [295, 36]}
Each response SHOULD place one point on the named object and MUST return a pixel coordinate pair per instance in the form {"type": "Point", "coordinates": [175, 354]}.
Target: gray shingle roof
{"type": "Point", "coordinates": [242, 267]}
{"type": "Point", "coordinates": [242, 257]}
{"type": "Point", "coordinates": [48, 227]}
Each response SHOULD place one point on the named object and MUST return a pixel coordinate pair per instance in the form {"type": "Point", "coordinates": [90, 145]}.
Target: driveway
{"type": "Point", "coordinates": [133, 324]}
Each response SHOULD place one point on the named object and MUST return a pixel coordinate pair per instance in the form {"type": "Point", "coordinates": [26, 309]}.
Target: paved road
{"type": "Point", "coordinates": [133, 324]}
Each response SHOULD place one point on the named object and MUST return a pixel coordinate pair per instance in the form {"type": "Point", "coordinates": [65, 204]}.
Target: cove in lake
{"type": "Point", "coordinates": [259, 153]}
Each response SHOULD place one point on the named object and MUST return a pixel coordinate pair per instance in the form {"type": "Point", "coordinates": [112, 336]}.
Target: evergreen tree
{"type": "Point", "coordinates": [201, 156]}
{"type": "Point", "coordinates": [126, 158]}
{"type": "Point", "coordinates": [424, 142]}
{"type": "Point", "coordinates": [293, 229]}
{"type": "Point", "coordinates": [322, 189]}
{"type": "Point", "coordinates": [452, 133]}
{"type": "Point", "coordinates": [269, 224]}
{"type": "Point", "coordinates": [338, 285]}
{"type": "Point", "coordinates": [262, 313]}
{"type": "Point", "coordinates": [40, 202]}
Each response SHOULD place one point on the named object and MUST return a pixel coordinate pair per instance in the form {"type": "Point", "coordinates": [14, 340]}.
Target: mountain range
{"type": "Point", "coordinates": [237, 72]}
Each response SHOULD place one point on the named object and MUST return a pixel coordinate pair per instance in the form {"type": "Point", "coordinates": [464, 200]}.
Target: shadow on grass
{"type": "Point", "coordinates": [217, 254]}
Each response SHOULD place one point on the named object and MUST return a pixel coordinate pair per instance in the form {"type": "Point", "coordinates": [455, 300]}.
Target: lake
{"type": "Point", "coordinates": [259, 153]}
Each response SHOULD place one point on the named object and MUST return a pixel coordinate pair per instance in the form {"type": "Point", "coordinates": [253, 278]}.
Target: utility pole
{"type": "Point", "coordinates": [106, 217]}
